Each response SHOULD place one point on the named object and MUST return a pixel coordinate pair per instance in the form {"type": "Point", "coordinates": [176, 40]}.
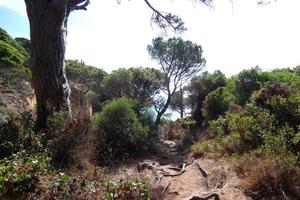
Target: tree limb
{"type": "Point", "coordinates": [77, 5]}
{"type": "Point", "coordinates": [166, 19]}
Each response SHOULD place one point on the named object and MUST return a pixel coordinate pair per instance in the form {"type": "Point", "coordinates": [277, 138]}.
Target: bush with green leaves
{"type": "Point", "coordinates": [5, 37]}
{"type": "Point", "coordinates": [248, 81]}
{"type": "Point", "coordinates": [11, 53]}
{"type": "Point", "coordinates": [23, 42]}
{"type": "Point", "coordinates": [89, 79]}
{"type": "Point", "coordinates": [60, 139]}
{"type": "Point", "coordinates": [20, 174]}
{"type": "Point", "coordinates": [281, 101]}
{"type": "Point", "coordinates": [9, 56]}
{"type": "Point", "coordinates": [140, 84]}
{"type": "Point", "coordinates": [17, 133]}
{"type": "Point", "coordinates": [187, 122]}
{"type": "Point", "coordinates": [257, 129]}
{"type": "Point", "coordinates": [216, 103]}
{"type": "Point", "coordinates": [92, 185]}
{"type": "Point", "coordinates": [137, 189]}
{"type": "Point", "coordinates": [121, 129]}
{"type": "Point", "coordinates": [199, 87]}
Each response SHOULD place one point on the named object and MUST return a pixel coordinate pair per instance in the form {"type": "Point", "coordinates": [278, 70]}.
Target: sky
{"type": "Point", "coordinates": [234, 36]}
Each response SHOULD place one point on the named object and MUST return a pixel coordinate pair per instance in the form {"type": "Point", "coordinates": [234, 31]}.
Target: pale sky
{"type": "Point", "coordinates": [233, 36]}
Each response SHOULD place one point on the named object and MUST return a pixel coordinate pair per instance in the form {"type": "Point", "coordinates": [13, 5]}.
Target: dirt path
{"type": "Point", "coordinates": [171, 177]}
{"type": "Point", "coordinates": [170, 174]}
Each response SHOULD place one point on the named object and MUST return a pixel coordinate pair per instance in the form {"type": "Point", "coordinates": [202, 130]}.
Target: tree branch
{"type": "Point", "coordinates": [166, 19]}
{"type": "Point", "coordinates": [77, 5]}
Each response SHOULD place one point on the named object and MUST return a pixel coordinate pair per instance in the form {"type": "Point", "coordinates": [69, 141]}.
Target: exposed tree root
{"type": "Point", "coordinates": [207, 197]}
{"type": "Point", "coordinates": [203, 172]}
{"type": "Point", "coordinates": [175, 168]}
{"type": "Point", "coordinates": [172, 175]}
{"type": "Point", "coordinates": [158, 181]}
{"type": "Point", "coordinates": [184, 168]}
{"type": "Point", "coordinates": [166, 187]}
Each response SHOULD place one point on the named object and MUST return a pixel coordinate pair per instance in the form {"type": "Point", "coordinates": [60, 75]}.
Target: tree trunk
{"type": "Point", "coordinates": [181, 103]}
{"type": "Point", "coordinates": [162, 112]}
{"type": "Point", "coordinates": [48, 28]}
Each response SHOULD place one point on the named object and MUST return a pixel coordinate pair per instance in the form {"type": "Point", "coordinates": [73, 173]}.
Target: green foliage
{"type": "Point", "coordinates": [16, 133]}
{"type": "Point", "coordinates": [146, 83]}
{"type": "Point", "coordinates": [118, 84]}
{"type": "Point", "coordinates": [179, 61]}
{"type": "Point", "coordinates": [6, 38]}
{"type": "Point", "coordinates": [11, 53]}
{"type": "Point", "coordinates": [254, 130]}
{"type": "Point", "coordinates": [88, 75]}
{"type": "Point", "coordinates": [207, 82]}
{"type": "Point", "coordinates": [199, 88]}
{"type": "Point", "coordinates": [12, 72]}
{"type": "Point", "coordinates": [280, 75]}
{"type": "Point", "coordinates": [297, 70]}
{"type": "Point", "coordinates": [121, 129]}
{"type": "Point", "coordinates": [186, 55]}
{"type": "Point", "coordinates": [60, 140]}
{"type": "Point", "coordinates": [178, 102]}
{"type": "Point", "coordinates": [129, 189]}
{"type": "Point", "coordinates": [9, 56]}
{"type": "Point", "coordinates": [92, 185]}
{"type": "Point", "coordinates": [20, 174]}
{"type": "Point", "coordinates": [89, 79]}
{"type": "Point", "coordinates": [281, 101]}
{"type": "Point", "coordinates": [216, 103]}
{"type": "Point", "coordinates": [23, 42]}
{"type": "Point", "coordinates": [140, 84]}
{"type": "Point", "coordinates": [16, 79]}
{"type": "Point", "coordinates": [187, 122]}
{"type": "Point", "coordinates": [248, 81]}
{"type": "Point", "coordinates": [268, 125]}
{"type": "Point", "coordinates": [204, 147]}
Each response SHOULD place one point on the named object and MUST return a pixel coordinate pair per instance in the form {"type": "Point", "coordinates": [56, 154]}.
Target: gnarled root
{"type": "Point", "coordinates": [207, 197]}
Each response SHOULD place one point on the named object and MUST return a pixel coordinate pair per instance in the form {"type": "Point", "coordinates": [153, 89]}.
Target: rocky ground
{"type": "Point", "coordinates": [172, 174]}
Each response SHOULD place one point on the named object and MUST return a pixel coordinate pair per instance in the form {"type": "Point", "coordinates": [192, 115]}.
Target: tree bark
{"type": "Point", "coordinates": [181, 103]}
{"type": "Point", "coordinates": [48, 29]}
{"type": "Point", "coordinates": [162, 112]}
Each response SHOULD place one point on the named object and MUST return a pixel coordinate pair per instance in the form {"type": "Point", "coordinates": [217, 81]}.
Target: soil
{"type": "Point", "coordinates": [170, 172]}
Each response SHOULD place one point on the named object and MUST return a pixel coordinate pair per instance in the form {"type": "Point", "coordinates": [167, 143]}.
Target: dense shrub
{"type": "Point", "coordinates": [255, 130]}
{"type": "Point", "coordinates": [297, 70]}
{"type": "Point", "coordinates": [121, 129]}
{"type": "Point", "coordinates": [20, 174]}
{"type": "Point", "coordinates": [6, 38]}
{"type": "Point", "coordinates": [89, 79]}
{"type": "Point", "coordinates": [199, 88]}
{"type": "Point", "coordinates": [60, 139]}
{"type": "Point", "coordinates": [281, 101]}
{"type": "Point", "coordinates": [9, 56]}
{"type": "Point", "coordinates": [137, 189]}
{"type": "Point", "coordinates": [23, 42]}
{"type": "Point", "coordinates": [248, 81]}
{"type": "Point", "coordinates": [25, 176]}
{"type": "Point", "coordinates": [90, 186]}
{"type": "Point", "coordinates": [16, 133]}
{"type": "Point", "coordinates": [216, 103]}
{"type": "Point", "coordinates": [140, 84]}
{"type": "Point", "coordinates": [187, 122]}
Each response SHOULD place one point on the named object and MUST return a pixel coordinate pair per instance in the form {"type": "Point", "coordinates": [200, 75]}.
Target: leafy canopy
{"type": "Point", "coordinates": [140, 84]}
{"type": "Point", "coordinates": [179, 60]}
